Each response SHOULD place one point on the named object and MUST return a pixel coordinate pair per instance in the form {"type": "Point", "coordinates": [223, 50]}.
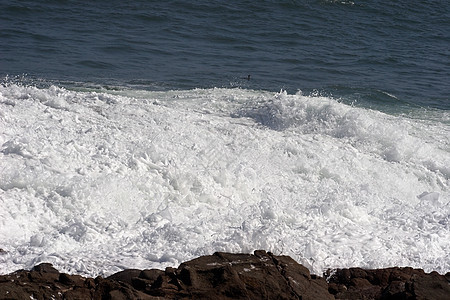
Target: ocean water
{"type": "Point", "coordinates": [131, 137]}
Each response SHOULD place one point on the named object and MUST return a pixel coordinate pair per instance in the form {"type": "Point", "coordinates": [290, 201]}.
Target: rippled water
{"type": "Point", "coordinates": [352, 49]}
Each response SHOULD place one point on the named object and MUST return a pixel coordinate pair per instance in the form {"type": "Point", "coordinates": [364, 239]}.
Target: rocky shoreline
{"type": "Point", "coordinates": [261, 275]}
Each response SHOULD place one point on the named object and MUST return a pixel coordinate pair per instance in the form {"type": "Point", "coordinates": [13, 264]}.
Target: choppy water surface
{"type": "Point", "coordinates": [348, 48]}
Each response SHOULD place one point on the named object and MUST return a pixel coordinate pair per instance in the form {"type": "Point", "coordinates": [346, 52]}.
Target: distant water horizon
{"type": "Point", "coordinates": [366, 51]}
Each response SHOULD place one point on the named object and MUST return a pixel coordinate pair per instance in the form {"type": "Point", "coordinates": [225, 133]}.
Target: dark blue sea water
{"type": "Point", "coordinates": [375, 53]}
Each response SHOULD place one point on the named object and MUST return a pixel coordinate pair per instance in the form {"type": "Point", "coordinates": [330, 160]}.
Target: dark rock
{"type": "Point", "coordinates": [72, 280]}
{"type": "Point", "coordinates": [229, 276]}
{"type": "Point", "coordinates": [43, 273]}
{"type": "Point", "coordinates": [126, 275]}
{"type": "Point", "coordinates": [432, 286]}
{"type": "Point", "coordinates": [45, 268]}
{"type": "Point", "coordinates": [396, 289]}
{"type": "Point", "coordinates": [240, 276]}
{"type": "Point", "coordinates": [45, 282]}
{"type": "Point", "coordinates": [141, 284]}
{"type": "Point", "coordinates": [389, 283]}
{"type": "Point", "coordinates": [111, 289]}
{"type": "Point", "coordinates": [76, 293]}
{"type": "Point", "coordinates": [151, 274]}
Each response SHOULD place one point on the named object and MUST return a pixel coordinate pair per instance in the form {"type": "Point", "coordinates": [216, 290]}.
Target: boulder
{"type": "Point", "coordinates": [240, 276]}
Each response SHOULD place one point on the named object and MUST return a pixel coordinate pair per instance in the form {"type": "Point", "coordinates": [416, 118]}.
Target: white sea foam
{"type": "Point", "coordinates": [97, 182]}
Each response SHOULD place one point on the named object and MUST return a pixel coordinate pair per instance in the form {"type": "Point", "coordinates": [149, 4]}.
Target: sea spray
{"type": "Point", "coordinates": [97, 181]}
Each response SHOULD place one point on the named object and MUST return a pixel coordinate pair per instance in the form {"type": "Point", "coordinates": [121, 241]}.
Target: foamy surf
{"type": "Point", "coordinates": [98, 181]}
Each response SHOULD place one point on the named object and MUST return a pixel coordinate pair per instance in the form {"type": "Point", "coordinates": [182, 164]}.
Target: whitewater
{"type": "Point", "coordinates": [98, 180]}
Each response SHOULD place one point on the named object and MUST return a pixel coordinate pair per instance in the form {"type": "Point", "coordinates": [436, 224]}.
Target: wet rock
{"type": "Point", "coordinates": [228, 276]}
{"type": "Point", "coordinates": [71, 280]}
{"type": "Point", "coordinates": [235, 276]}
{"type": "Point", "coordinates": [45, 268]}
{"type": "Point", "coordinates": [45, 282]}
{"type": "Point", "coordinates": [151, 274]}
{"type": "Point", "coordinates": [125, 275]}
{"type": "Point", "coordinates": [389, 283]}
